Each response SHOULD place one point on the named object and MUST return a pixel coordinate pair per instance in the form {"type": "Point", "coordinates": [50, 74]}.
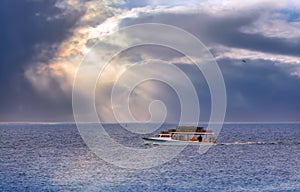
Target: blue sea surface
{"type": "Point", "coordinates": [53, 157]}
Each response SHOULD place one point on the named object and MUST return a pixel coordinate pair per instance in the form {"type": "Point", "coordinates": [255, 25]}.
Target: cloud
{"type": "Point", "coordinates": [260, 90]}
{"type": "Point", "coordinates": [25, 32]}
{"type": "Point", "coordinates": [227, 29]}
{"type": "Point", "coordinates": [222, 52]}
{"type": "Point", "coordinates": [58, 35]}
{"type": "Point", "coordinates": [95, 19]}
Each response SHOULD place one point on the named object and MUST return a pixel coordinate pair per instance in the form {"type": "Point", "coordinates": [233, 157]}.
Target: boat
{"type": "Point", "coordinates": [182, 135]}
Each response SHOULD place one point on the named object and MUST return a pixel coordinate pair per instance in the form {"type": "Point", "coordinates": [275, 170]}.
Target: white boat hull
{"type": "Point", "coordinates": [169, 141]}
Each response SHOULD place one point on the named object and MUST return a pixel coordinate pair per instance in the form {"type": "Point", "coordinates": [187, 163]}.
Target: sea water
{"type": "Point", "coordinates": [53, 157]}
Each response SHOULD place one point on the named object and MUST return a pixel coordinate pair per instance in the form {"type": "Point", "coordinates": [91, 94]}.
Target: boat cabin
{"type": "Point", "coordinates": [188, 133]}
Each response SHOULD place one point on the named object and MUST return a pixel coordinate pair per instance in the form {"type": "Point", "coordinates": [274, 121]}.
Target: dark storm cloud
{"type": "Point", "coordinates": [201, 87]}
{"type": "Point", "coordinates": [256, 91]}
{"type": "Point", "coordinates": [260, 91]}
{"type": "Point", "coordinates": [224, 29]}
{"type": "Point", "coordinates": [26, 25]}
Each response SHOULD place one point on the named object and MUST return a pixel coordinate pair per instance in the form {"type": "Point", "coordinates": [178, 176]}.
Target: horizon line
{"type": "Point", "coordinates": [201, 122]}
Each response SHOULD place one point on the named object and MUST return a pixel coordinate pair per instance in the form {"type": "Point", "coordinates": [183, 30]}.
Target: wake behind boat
{"type": "Point", "coordinates": [182, 135]}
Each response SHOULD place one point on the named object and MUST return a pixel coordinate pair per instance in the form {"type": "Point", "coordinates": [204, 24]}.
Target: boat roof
{"type": "Point", "coordinates": [188, 133]}
{"type": "Point", "coordinates": [193, 133]}
{"type": "Point", "coordinates": [189, 129]}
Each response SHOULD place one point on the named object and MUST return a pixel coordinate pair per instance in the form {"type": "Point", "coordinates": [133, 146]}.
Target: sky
{"type": "Point", "coordinates": [44, 42]}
